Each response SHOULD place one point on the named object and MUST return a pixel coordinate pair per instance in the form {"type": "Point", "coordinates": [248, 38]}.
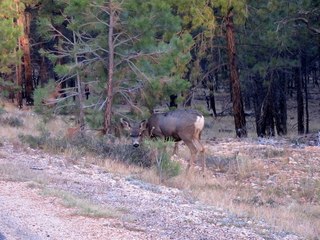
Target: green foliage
{"type": "Point", "coordinates": [10, 33]}
{"type": "Point", "coordinates": [166, 168]}
{"type": "Point", "coordinates": [146, 46]}
{"type": "Point", "coordinates": [158, 90]}
{"type": "Point", "coordinates": [36, 142]}
{"type": "Point", "coordinates": [196, 13]}
{"type": "Point", "coordinates": [94, 118]}
{"type": "Point", "coordinates": [7, 87]}
{"type": "Point", "coordinates": [39, 95]}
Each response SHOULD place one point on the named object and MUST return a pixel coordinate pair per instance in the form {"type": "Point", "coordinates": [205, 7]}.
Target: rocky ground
{"type": "Point", "coordinates": [34, 185]}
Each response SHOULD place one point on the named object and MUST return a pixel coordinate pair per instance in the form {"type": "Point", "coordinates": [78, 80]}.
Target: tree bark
{"type": "Point", "coordinates": [266, 121]}
{"type": "Point", "coordinates": [18, 64]}
{"type": "Point", "coordinates": [79, 87]}
{"type": "Point", "coordinates": [212, 102]}
{"type": "Point", "coordinates": [108, 110]}
{"type": "Point", "coordinates": [26, 73]}
{"type": "Point", "coordinates": [300, 112]}
{"type": "Point", "coordinates": [258, 94]}
{"type": "Point", "coordinates": [238, 111]}
{"type": "Point", "coordinates": [280, 105]}
{"type": "Point", "coordinates": [306, 94]}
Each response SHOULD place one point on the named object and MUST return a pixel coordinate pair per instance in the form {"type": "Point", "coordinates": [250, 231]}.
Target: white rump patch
{"type": "Point", "coordinates": [199, 123]}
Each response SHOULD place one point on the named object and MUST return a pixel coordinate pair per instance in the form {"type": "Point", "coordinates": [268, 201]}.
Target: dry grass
{"type": "Point", "coordinates": [12, 172]}
{"type": "Point", "coordinates": [243, 177]}
{"type": "Point", "coordinates": [288, 202]}
{"type": "Point", "coordinates": [32, 124]}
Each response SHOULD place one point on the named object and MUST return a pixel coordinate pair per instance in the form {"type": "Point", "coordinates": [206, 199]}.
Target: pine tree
{"type": "Point", "coordinates": [130, 45]}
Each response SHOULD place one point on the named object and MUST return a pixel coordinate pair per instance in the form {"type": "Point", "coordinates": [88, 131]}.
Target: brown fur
{"type": "Point", "coordinates": [179, 125]}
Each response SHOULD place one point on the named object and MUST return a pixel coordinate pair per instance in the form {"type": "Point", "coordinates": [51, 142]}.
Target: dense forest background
{"type": "Point", "coordinates": [96, 59]}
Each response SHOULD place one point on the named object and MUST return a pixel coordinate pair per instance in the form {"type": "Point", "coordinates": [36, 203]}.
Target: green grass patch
{"type": "Point", "coordinates": [82, 206]}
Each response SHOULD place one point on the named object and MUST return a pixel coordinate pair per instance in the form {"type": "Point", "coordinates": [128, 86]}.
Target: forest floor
{"type": "Point", "coordinates": [254, 189]}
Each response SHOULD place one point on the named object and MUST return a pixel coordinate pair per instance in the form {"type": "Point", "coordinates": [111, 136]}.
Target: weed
{"type": "Point", "coordinates": [34, 141]}
{"type": "Point", "coordinates": [83, 207]}
{"type": "Point", "coordinates": [273, 152]}
{"type": "Point", "coordinates": [309, 189]}
{"type": "Point", "coordinates": [82, 144]}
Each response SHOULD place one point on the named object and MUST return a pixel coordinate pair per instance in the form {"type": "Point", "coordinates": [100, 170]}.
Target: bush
{"type": "Point", "coordinates": [104, 147]}
{"type": "Point", "coordinates": [166, 168]}
{"type": "Point", "coordinates": [12, 121]}
{"type": "Point", "coordinates": [148, 155]}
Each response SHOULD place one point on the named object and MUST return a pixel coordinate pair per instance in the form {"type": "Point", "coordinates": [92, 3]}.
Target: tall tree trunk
{"type": "Point", "coordinates": [108, 110]}
{"type": "Point", "coordinates": [18, 64]}
{"type": "Point", "coordinates": [266, 121]}
{"type": "Point", "coordinates": [300, 112]}
{"type": "Point", "coordinates": [24, 22]}
{"type": "Point", "coordinates": [79, 87]}
{"type": "Point", "coordinates": [305, 81]}
{"type": "Point", "coordinates": [258, 94]}
{"type": "Point", "coordinates": [306, 94]}
{"type": "Point", "coordinates": [19, 84]}
{"type": "Point", "coordinates": [280, 105]}
{"type": "Point", "coordinates": [238, 111]}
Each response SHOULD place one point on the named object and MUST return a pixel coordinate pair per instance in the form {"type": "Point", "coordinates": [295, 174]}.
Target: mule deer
{"type": "Point", "coordinates": [185, 125]}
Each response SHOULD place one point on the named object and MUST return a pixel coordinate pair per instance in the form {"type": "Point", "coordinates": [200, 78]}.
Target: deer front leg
{"type": "Point", "coordinates": [175, 149]}
{"type": "Point", "coordinates": [190, 166]}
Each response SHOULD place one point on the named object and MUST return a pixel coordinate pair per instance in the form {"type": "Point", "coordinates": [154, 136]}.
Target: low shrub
{"type": "Point", "coordinates": [152, 153]}
{"type": "Point", "coordinates": [166, 168]}
{"type": "Point", "coordinates": [104, 147]}
{"type": "Point", "coordinates": [11, 121]}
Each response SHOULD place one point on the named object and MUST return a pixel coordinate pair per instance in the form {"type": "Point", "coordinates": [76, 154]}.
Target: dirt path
{"type": "Point", "coordinates": [24, 214]}
{"type": "Point", "coordinates": [138, 210]}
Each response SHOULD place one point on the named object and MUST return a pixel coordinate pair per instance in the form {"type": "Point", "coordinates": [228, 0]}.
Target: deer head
{"type": "Point", "coordinates": [136, 130]}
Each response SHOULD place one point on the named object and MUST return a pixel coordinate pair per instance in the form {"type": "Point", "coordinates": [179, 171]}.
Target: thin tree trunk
{"type": "Point", "coordinates": [257, 102]}
{"type": "Point", "coordinates": [80, 98]}
{"type": "Point", "coordinates": [238, 111]}
{"type": "Point", "coordinates": [279, 105]}
{"type": "Point", "coordinates": [306, 94]}
{"type": "Point", "coordinates": [43, 72]}
{"type": "Point", "coordinates": [107, 114]}
{"type": "Point", "coordinates": [27, 59]}
{"type": "Point", "coordinates": [298, 79]}
{"type": "Point", "coordinates": [266, 121]}
{"type": "Point", "coordinates": [212, 102]}
{"type": "Point", "coordinates": [188, 93]}
{"type": "Point", "coordinates": [19, 84]}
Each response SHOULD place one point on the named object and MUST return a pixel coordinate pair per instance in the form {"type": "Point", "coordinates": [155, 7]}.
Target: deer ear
{"type": "Point", "coordinates": [125, 124]}
{"type": "Point", "coordinates": [143, 125]}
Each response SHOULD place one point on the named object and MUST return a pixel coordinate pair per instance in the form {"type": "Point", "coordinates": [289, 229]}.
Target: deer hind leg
{"type": "Point", "coordinates": [193, 150]}
{"type": "Point", "coordinates": [201, 149]}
